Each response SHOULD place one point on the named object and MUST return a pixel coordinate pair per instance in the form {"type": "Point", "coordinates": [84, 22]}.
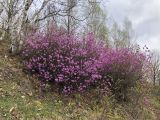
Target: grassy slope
{"type": "Point", "coordinates": [21, 98]}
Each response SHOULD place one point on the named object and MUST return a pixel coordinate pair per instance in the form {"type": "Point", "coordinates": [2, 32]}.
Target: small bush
{"type": "Point", "coordinates": [125, 70]}
{"type": "Point", "coordinates": [80, 64]}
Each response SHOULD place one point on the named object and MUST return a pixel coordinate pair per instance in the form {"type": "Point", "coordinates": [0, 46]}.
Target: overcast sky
{"type": "Point", "coordinates": [144, 15]}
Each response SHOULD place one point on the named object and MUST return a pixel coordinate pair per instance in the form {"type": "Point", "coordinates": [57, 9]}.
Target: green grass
{"type": "Point", "coordinates": [21, 101]}
{"type": "Point", "coordinates": [30, 107]}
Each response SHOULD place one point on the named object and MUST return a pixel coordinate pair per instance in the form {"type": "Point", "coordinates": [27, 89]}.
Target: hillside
{"type": "Point", "coordinates": [21, 98]}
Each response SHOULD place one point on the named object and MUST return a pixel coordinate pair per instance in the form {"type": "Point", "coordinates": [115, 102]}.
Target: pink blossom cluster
{"type": "Point", "coordinates": [79, 64]}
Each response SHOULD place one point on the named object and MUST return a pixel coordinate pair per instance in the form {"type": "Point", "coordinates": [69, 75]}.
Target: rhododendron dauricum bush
{"type": "Point", "coordinates": [80, 64]}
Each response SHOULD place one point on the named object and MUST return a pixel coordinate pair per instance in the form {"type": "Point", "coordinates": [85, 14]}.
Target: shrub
{"type": "Point", "coordinates": [64, 60]}
{"type": "Point", "coordinates": [77, 64]}
{"type": "Point", "coordinates": [125, 69]}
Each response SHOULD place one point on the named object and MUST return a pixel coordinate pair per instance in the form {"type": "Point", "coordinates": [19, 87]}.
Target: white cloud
{"type": "Point", "coordinates": [145, 16]}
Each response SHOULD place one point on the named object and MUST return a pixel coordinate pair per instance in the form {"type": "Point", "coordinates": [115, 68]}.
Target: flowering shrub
{"type": "Point", "coordinates": [64, 60]}
{"type": "Point", "coordinates": [125, 68]}
{"type": "Point", "coordinates": [77, 64]}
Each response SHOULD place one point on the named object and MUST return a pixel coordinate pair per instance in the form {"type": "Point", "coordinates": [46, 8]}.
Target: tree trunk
{"type": "Point", "coordinates": [68, 16]}
{"type": "Point", "coordinates": [154, 78]}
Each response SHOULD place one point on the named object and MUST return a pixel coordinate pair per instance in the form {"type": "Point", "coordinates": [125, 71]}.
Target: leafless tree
{"type": "Point", "coordinates": [97, 20]}
{"type": "Point", "coordinates": [19, 16]}
{"type": "Point", "coordinates": [123, 37]}
{"type": "Point", "coordinates": [155, 66]}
